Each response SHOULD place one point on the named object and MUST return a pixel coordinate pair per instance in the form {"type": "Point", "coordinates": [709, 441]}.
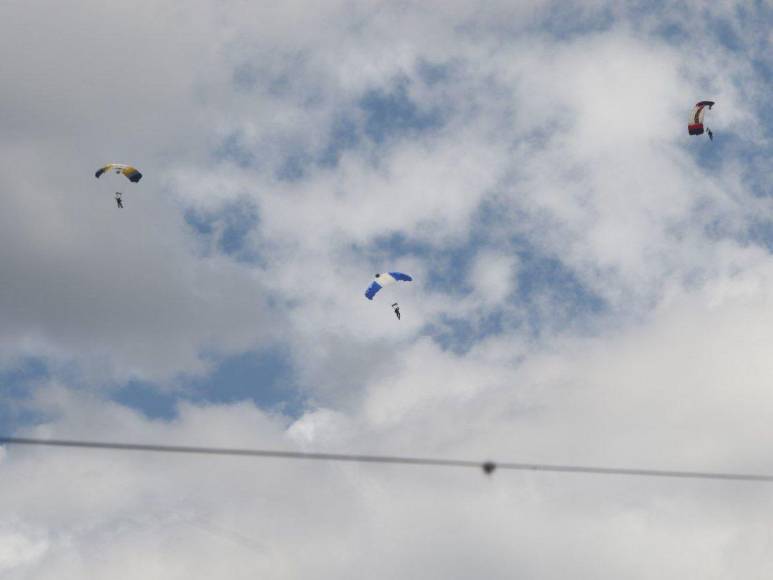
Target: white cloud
{"type": "Point", "coordinates": [572, 143]}
{"type": "Point", "coordinates": [18, 548]}
{"type": "Point", "coordinates": [493, 276]}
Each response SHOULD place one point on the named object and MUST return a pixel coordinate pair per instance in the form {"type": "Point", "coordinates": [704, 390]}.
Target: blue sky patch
{"type": "Point", "coordinates": [544, 279]}
{"type": "Point", "coordinates": [432, 73]}
{"type": "Point", "coordinates": [226, 229]}
{"type": "Point", "coordinates": [565, 22]}
{"type": "Point", "coordinates": [17, 385]}
{"type": "Point", "coordinates": [344, 135]}
{"type": "Point", "coordinates": [391, 113]}
{"type": "Point", "coordinates": [234, 149]}
{"type": "Point", "coordinates": [148, 400]}
{"type": "Point", "coordinates": [459, 335]}
{"type": "Point", "coordinates": [265, 378]}
{"type": "Point", "coordinates": [245, 77]}
{"type": "Point", "coordinates": [293, 166]}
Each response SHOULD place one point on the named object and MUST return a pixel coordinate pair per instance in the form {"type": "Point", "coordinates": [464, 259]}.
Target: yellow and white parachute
{"type": "Point", "coordinates": [130, 172]}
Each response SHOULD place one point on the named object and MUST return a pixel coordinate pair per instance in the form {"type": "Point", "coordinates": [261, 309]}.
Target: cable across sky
{"type": "Point", "coordinates": [487, 466]}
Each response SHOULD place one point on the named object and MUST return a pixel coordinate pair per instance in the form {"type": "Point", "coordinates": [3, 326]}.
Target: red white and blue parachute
{"type": "Point", "coordinates": [695, 125]}
{"type": "Point", "coordinates": [385, 279]}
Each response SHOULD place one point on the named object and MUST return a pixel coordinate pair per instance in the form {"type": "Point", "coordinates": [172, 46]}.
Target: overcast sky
{"type": "Point", "coordinates": [591, 286]}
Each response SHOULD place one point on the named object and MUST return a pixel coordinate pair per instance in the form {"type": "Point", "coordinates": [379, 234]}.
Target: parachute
{"type": "Point", "coordinates": [130, 172]}
{"type": "Point", "coordinates": [695, 126]}
{"type": "Point", "coordinates": [385, 279]}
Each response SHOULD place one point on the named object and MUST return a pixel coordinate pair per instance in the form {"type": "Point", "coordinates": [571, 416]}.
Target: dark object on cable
{"type": "Point", "coordinates": [489, 467]}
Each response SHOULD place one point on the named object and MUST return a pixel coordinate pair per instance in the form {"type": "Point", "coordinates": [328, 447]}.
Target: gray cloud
{"type": "Point", "coordinates": [559, 131]}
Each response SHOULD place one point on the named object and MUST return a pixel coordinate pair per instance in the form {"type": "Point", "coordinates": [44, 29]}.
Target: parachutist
{"type": "Point", "coordinates": [695, 125]}
{"type": "Point", "coordinates": [127, 171]}
{"type": "Point", "coordinates": [489, 467]}
{"type": "Point", "coordinates": [396, 308]}
{"type": "Point", "coordinates": [710, 134]}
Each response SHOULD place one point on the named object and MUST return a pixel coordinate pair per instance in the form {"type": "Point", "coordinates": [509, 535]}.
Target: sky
{"type": "Point", "coordinates": [592, 286]}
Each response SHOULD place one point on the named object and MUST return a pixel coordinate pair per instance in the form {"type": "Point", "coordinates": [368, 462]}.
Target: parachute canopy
{"type": "Point", "coordinates": [130, 172]}
{"type": "Point", "coordinates": [695, 126]}
{"type": "Point", "coordinates": [385, 279]}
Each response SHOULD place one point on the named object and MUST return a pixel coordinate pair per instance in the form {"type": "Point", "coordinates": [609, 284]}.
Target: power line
{"type": "Point", "coordinates": [487, 466]}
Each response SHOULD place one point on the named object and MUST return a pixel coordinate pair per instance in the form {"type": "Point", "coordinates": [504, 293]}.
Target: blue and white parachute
{"type": "Point", "coordinates": [385, 279]}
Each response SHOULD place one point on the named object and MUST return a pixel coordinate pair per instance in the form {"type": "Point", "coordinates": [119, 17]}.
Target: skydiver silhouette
{"type": "Point", "coordinates": [118, 201]}
{"type": "Point", "coordinates": [710, 134]}
{"type": "Point", "coordinates": [397, 310]}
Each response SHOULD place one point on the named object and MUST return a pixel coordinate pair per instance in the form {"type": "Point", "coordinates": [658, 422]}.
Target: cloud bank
{"type": "Point", "coordinates": [592, 286]}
